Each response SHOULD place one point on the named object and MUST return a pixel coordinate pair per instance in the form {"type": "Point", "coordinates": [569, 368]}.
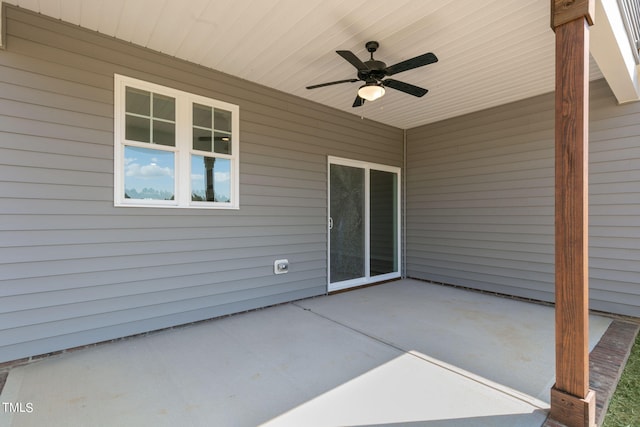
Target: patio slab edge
{"type": "Point", "coordinates": [606, 363]}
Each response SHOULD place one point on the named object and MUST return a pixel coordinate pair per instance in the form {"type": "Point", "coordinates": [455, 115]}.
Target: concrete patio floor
{"type": "Point", "coordinates": [404, 353]}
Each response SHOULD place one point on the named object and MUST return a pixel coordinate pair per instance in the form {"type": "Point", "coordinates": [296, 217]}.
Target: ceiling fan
{"type": "Point", "coordinates": [373, 73]}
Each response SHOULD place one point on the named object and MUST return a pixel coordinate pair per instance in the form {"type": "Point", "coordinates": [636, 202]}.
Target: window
{"type": "Point", "coordinates": [173, 148]}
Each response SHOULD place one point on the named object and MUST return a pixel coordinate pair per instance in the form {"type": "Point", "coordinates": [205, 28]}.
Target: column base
{"type": "Point", "coordinates": [573, 411]}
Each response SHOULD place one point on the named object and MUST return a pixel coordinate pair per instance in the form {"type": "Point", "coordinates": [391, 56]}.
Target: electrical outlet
{"type": "Point", "coordinates": [281, 266]}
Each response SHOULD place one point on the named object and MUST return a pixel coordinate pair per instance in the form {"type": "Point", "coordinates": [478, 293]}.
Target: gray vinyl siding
{"type": "Point", "coordinates": [480, 206]}
{"type": "Point", "coordinates": [76, 270]}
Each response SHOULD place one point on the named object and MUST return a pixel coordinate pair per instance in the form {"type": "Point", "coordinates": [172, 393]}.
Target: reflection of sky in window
{"type": "Point", "coordinates": [149, 169]}
{"type": "Point", "coordinates": [221, 178]}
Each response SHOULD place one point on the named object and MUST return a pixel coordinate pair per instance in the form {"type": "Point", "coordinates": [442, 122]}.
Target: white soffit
{"type": "Point", "coordinates": [490, 52]}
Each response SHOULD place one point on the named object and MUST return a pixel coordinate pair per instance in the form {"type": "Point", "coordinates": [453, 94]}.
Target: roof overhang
{"type": "Point", "coordinates": [491, 53]}
{"type": "Point", "coordinates": [613, 52]}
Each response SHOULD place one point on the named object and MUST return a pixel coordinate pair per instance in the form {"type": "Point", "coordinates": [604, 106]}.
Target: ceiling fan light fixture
{"type": "Point", "coordinates": [371, 91]}
{"type": "Point", "coordinates": [373, 73]}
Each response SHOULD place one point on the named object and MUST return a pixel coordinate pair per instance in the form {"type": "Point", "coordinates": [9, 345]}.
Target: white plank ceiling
{"type": "Point", "coordinates": [490, 52]}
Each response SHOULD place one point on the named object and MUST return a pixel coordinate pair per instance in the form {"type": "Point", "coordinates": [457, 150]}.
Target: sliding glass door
{"type": "Point", "coordinates": [364, 226]}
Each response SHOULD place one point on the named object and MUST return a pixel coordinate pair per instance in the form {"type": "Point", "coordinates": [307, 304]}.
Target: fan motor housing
{"type": "Point", "coordinates": [376, 70]}
{"type": "Point", "coordinates": [375, 65]}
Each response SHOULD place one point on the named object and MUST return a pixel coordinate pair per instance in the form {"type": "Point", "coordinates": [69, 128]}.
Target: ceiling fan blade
{"type": "Point", "coordinates": [409, 64]}
{"type": "Point", "coordinates": [353, 59]}
{"type": "Point", "coordinates": [358, 102]}
{"type": "Point", "coordinates": [332, 83]}
{"type": "Point", "coordinates": [405, 87]}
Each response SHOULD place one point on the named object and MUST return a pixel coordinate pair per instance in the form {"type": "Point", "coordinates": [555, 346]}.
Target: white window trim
{"type": "Point", "coordinates": [183, 147]}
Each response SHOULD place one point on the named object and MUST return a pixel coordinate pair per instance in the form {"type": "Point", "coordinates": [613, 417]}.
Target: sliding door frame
{"type": "Point", "coordinates": [367, 279]}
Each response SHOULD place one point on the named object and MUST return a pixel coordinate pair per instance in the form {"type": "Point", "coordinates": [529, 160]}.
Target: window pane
{"type": "Point", "coordinates": [347, 210]}
{"type": "Point", "coordinates": [148, 174]}
{"type": "Point", "coordinates": [383, 222]}
{"type": "Point", "coordinates": [164, 107]}
{"type": "Point", "coordinates": [222, 120]}
{"type": "Point", "coordinates": [138, 101]}
{"type": "Point", "coordinates": [210, 179]}
{"type": "Point", "coordinates": [222, 143]}
{"type": "Point", "coordinates": [164, 133]}
{"type": "Point", "coordinates": [202, 116]}
{"type": "Point", "coordinates": [201, 139]}
{"type": "Point", "coordinates": [137, 129]}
